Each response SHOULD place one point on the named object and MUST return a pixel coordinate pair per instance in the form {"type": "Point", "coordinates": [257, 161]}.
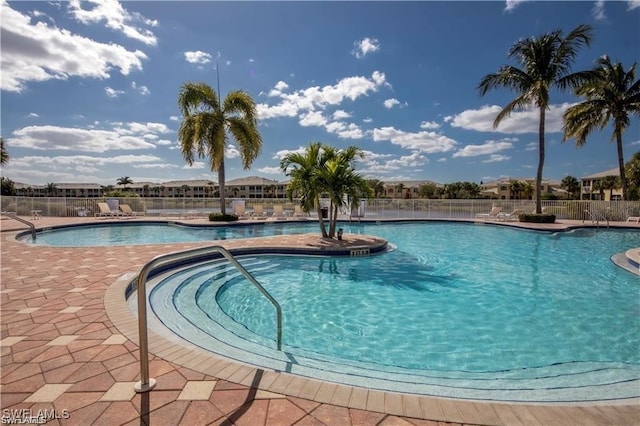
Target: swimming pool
{"type": "Point", "coordinates": [458, 310]}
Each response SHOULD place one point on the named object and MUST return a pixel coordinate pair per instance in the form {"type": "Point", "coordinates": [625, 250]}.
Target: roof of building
{"type": "Point", "coordinates": [611, 172]}
{"type": "Point", "coordinates": [252, 180]}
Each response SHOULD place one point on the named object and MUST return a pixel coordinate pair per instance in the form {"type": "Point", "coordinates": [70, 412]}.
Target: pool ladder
{"type": "Point", "coordinates": [26, 222]}
{"type": "Point", "coordinates": [596, 217]}
{"type": "Point", "coordinates": [146, 384]}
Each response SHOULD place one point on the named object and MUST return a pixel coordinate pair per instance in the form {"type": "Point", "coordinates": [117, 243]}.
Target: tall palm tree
{"type": "Point", "coordinates": [377, 186]}
{"type": "Point", "coordinates": [546, 63]}
{"type": "Point", "coordinates": [207, 122]}
{"type": "Point", "coordinates": [516, 188]}
{"type": "Point", "coordinates": [51, 189]}
{"type": "Point", "coordinates": [611, 94]}
{"type": "Point", "coordinates": [4, 155]}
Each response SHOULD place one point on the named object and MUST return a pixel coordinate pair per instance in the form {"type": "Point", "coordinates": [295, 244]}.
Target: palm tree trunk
{"type": "Point", "coordinates": [332, 219]}
{"type": "Point", "coordinates": [540, 161]}
{"type": "Point", "coordinates": [623, 179]}
{"type": "Point", "coordinates": [221, 179]}
{"type": "Point", "coordinates": [320, 220]}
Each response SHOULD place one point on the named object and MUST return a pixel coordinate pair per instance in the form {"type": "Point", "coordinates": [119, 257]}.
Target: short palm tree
{"type": "Point", "coordinates": [303, 169]}
{"type": "Point", "coordinates": [207, 122]}
{"type": "Point", "coordinates": [546, 63]}
{"type": "Point", "coordinates": [4, 155]}
{"type": "Point", "coordinates": [611, 94]}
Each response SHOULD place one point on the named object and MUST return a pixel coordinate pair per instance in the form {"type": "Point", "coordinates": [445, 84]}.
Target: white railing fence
{"type": "Point", "coordinates": [381, 208]}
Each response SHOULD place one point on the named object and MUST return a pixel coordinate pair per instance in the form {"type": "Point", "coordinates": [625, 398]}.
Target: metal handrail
{"type": "Point", "coordinates": [12, 215]}
{"type": "Point", "coordinates": [146, 384]}
{"type": "Point", "coordinates": [596, 217]}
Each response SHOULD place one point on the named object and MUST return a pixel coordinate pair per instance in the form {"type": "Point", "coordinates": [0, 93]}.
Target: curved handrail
{"type": "Point", "coordinates": [26, 222]}
{"type": "Point", "coordinates": [146, 384]}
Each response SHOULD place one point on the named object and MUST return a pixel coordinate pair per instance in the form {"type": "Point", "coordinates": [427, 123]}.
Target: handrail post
{"type": "Point", "coordinates": [146, 383]}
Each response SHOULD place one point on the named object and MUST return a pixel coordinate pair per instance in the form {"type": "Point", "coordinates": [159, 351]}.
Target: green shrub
{"type": "Point", "coordinates": [219, 217]}
{"type": "Point", "coordinates": [537, 218]}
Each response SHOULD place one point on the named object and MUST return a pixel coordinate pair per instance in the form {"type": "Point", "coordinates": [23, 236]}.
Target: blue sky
{"type": "Point", "coordinates": [89, 89]}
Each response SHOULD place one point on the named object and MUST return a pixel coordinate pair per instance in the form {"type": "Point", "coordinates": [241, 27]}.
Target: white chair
{"type": "Point", "coordinates": [278, 212]}
{"type": "Point", "coordinates": [510, 217]}
{"type": "Point", "coordinates": [493, 214]}
{"type": "Point", "coordinates": [258, 212]}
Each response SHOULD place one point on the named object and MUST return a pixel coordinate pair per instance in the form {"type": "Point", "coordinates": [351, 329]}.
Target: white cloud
{"type": "Point", "coordinates": [598, 10]}
{"type": "Point", "coordinates": [270, 170]}
{"type": "Point", "coordinates": [429, 125]}
{"type": "Point", "coordinates": [390, 103]}
{"type": "Point", "coordinates": [494, 158]}
{"type": "Point", "coordinates": [340, 114]}
{"type": "Point", "coordinates": [123, 136]}
{"type": "Point", "coordinates": [518, 123]}
{"type": "Point", "coordinates": [281, 154]}
{"type": "Point", "coordinates": [427, 142]}
{"type": "Point", "coordinates": [363, 47]}
{"type": "Point", "coordinates": [143, 90]}
{"type": "Point", "coordinates": [33, 114]}
{"type": "Point", "coordinates": [231, 151]}
{"type": "Point", "coordinates": [512, 4]}
{"type": "Point", "coordinates": [633, 4]}
{"type": "Point", "coordinates": [489, 147]}
{"type": "Point", "coordinates": [113, 93]}
{"type": "Point", "coordinates": [531, 146]}
{"type": "Point", "coordinates": [318, 98]}
{"type": "Point", "coordinates": [174, 118]}
{"type": "Point", "coordinates": [197, 57]}
{"type": "Point", "coordinates": [367, 120]}
{"type": "Point", "coordinates": [313, 118]}
{"type": "Point", "coordinates": [197, 165]}
{"type": "Point", "coordinates": [39, 52]}
{"type": "Point", "coordinates": [115, 17]}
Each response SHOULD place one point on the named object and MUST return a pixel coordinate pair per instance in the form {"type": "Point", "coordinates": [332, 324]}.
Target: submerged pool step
{"type": "Point", "coordinates": [218, 333]}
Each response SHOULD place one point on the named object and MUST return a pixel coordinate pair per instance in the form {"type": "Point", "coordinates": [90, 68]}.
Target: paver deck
{"type": "Point", "coordinates": [61, 351]}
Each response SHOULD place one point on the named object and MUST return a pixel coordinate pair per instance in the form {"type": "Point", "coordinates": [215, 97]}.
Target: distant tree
{"type": "Point", "coordinates": [206, 122]}
{"type": "Point", "coordinates": [611, 95]}
{"type": "Point", "coordinates": [516, 188]}
{"type": "Point", "coordinates": [428, 190]}
{"type": "Point", "coordinates": [145, 190]}
{"type": "Point", "coordinates": [610, 183]}
{"type": "Point", "coordinates": [51, 189]}
{"type": "Point", "coordinates": [377, 186]}
{"type": "Point", "coordinates": [632, 170]}
{"type": "Point", "coordinates": [572, 186]}
{"type": "Point", "coordinates": [400, 188]}
{"type": "Point", "coordinates": [4, 155]}
{"type": "Point", "coordinates": [124, 181]}
{"type": "Point", "coordinates": [528, 190]}
{"type": "Point", "coordinates": [546, 62]}
{"type": "Point", "coordinates": [7, 187]}
{"type": "Point", "coordinates": [185, 189]}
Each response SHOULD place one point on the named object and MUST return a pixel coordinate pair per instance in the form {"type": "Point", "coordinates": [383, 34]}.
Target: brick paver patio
{"type": "Point", "coordinates": [60, 351]}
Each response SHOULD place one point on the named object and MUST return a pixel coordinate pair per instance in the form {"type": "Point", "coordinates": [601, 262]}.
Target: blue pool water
{"type": "Point", "coordinates": [457, 310]}
{"type": "Point", "coordinates": [156, 233]}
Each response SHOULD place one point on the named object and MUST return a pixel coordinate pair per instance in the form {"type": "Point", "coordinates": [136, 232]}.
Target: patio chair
{"type": "Point", "coordinates": [240, 212]}
{"type": "Point", "coordinates": [511, 217]}
{"type": "Point", "coordinates": [128, 212]}
{"type": "Point", "coordinates": [635, 219]}
{"type": "Point", "coordinates": [258, 212]}
{"type": "Point", "coordinates": [493, 214]}
{"type": "Point", "coordinates": [297, 211]}
{"type": "Point", "coordinates": [105, 211]}
{"type": "Point", "coordinates": [278, 212]}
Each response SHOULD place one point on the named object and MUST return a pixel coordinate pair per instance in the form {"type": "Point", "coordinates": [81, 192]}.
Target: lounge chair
{"type": "Point", "coordinates": [105, 211]}
{"type": "Point", "coordinates": [258, 212]}
{"type": "Point", "coordinates": [635, 219]}
{"type": "Point", "coordinates": [240, 212]}
{"type": "Point", "coordinates": [493, 214]}
{"type": "Point", "coordinates": [510, 217]}
{"type": "Point", "coordinates": [278, 212]}
{"type": "Point", "coordinates": [128, 212]}
{"type": "Point", "coordinates": [297, 211]}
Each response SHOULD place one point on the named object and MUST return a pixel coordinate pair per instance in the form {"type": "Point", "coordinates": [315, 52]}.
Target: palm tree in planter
{"type": "Point", "coordinates": [611, 95]}
{"type": "Point", "coordinates": [546, 63]}
{"type": "Point", "coordinates": [207, 123]}
{"type": "Point", "coordinates": [303, 169]}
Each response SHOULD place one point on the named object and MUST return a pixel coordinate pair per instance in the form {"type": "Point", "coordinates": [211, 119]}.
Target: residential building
{"type": "Point", "coordinates": [505, 189]}
{"type": "Point", "coordinates": [591, 188]}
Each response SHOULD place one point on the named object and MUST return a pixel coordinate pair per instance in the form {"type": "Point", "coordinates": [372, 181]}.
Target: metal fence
{"type": "Point", "coordinates": [369, 209]}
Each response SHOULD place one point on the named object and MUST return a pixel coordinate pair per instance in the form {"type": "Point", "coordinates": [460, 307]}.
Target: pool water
{"type": "Point", "coordinates": [454, 302]}
{"type": "Point", "coordinates": [156, 233]}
